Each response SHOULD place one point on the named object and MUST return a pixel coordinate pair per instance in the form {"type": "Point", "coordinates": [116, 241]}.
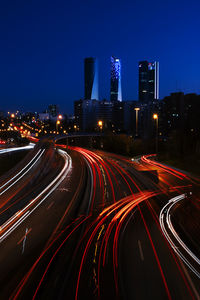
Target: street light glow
{"type": "Point", "coordinates": [100, 123]}
{"type": "Point", "coordinates": [136, 108]}
{"type": "Point", "coordinates": [155, 116]}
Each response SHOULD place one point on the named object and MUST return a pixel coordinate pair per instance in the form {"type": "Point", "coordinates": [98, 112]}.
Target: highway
{"type": "Point", "coordinates": [86, 224]}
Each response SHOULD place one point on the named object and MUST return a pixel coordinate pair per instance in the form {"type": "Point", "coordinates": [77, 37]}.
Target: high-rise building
{"type": "Point", "coordinates": [53, 110]}
{"type": "Point", "coordinates": [89, 112]}
{"type": "Point", "coordinates": [91, 78]}
{"type": "Point", "coordinates": [115, 84]}
{"type": "Point", "coordinates": [148, 81]}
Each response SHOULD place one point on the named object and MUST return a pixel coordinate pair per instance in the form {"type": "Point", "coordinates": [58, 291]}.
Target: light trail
{"type": "Point", "coordinates": [7, 150]}
{"type": "Point", "coordinates": [166, 218]}
{"type": "Point", "coordinates": [115, 214]}
{"type": "Point", "coordinates": [100, 221]}
{"type": "Point", "coordinates": [29, 209]}
{"type": "Point", "coordinates": [20, 177]}
{"type": "Point", "coordinates": [22, 283]}
{"type": "Point", "coordinates": [172, 171]}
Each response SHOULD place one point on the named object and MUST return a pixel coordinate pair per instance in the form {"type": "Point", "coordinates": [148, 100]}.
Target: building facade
{"type": "Point", "coordinates": [115, 83]}
{"type": "Point", "coordinates": [148, 81]}
{"type": "Point", "coordinates": [91, 78]}
{"type": "Point", "coordinates": [53, 110]}
{"type": "Point", "coordinates": [89, 112]}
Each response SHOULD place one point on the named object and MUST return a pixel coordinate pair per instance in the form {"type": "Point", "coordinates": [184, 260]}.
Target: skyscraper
{"type": "Point", "coordinates": [148, 81]}
{"type": "Point", "coordinates": [53, 110]}
{"type": "Point", "coordinates": [115, 84]}
{"type": "Point", "coordinates": [91, 78]}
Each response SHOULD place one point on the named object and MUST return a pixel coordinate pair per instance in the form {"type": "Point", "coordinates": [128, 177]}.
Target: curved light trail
{"type": "Point", "coordinates": [9, 226]}
{"type": "Point", "coordinates": [32, 162]}
{"type": "Point", "coordinates": [167, 228]}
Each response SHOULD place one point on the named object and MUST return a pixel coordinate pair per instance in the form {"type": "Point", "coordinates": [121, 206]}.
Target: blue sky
{"type": "Point", "coordinates": [44, 44]}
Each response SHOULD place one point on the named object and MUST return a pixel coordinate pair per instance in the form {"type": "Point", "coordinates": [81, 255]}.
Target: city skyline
{"type": "Point", "coordinates": [42, 54]}
{"type": "Point", "coordinates": [99, 150]}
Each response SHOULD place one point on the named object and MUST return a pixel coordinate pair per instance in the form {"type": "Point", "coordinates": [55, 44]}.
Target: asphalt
{"type": "Point", "coordinates": [94, 236]}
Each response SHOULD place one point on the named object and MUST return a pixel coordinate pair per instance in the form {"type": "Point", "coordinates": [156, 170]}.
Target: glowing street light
{"type": "Point", "coordinates": [57, 123]}
{"type": "Point", "coordinates": [136, 120]}
{"type": "Point", "coordinates": [60, 117]}
{"type": "Point", "coordinates": [155, 117]}
{"type": "Point", "coordinates": [100, 123]}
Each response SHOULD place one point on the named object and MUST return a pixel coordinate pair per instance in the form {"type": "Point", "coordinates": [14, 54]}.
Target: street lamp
{"type": "Point", "coordinates": [155, 117]}
{"type": "Point", "coordinates": [57, 123]}
{"type": "Point", "coordinates": [136, 120]}
{"type": "Point", "coordinates": [100, 124]}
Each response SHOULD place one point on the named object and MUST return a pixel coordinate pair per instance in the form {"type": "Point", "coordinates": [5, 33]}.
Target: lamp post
{"type": "Point", "coordinates": [57, 123]}
{"type": "Point", "coordinates": [100, 124]}
{"type": "Point", "coordinates": [136, 120]}
{"type": "Point", "coordinates": [155, 117]}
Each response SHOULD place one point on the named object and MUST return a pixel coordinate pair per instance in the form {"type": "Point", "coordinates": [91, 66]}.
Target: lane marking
{"type": "Point", "coordinates": [26, 233]}
{"type": "Point", "coordinates": [50, 205]}
{"type": "Point", "coordinates": [141, 252]}
{"type": "Point", "coordinates": [24, 241]}
{"type": "Point", "coordinates": [51, 187]}
{"type": "Point", "coordinates": [63, 190]}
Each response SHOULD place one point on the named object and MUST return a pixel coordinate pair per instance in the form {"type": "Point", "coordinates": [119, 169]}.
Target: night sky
{"type": "Point", "coordinates": [44, 43]}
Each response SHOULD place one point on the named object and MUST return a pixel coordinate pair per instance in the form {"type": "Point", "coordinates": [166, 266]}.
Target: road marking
{"type": "Point", "coordinates": [141, 252]}
{"type": "Point", "coordinates": [49, 189]}
{"type": "Point", "coordinates": [63, 190]}
{"type": "Point", "coordinates": [50, 205]}
{"type": "Point", "coordinates": [26, 233]}
{"type": "Point", "coordinates": [24, 239]}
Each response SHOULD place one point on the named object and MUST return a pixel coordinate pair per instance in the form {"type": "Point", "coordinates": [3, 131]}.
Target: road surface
{"type": "Point", "coordinates": [82, 224]}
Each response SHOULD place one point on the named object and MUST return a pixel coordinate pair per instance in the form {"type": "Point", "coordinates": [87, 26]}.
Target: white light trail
{"type": "Point", "coordinates": [20, 171]}
{"type": "Point", "coordinates": [28, 209]}
{"type": "Point", "coordinates": [30, 146]}
{"type": "Point", "coordinates": [21, 175]}
{"type": "Point", "coordinates": [165, 217]}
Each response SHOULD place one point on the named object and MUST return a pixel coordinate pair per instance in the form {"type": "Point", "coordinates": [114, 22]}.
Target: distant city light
{"type": "Point", "coordinates": [100, 123]}
{"type": "Point", "coordinates": [155, 116]}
